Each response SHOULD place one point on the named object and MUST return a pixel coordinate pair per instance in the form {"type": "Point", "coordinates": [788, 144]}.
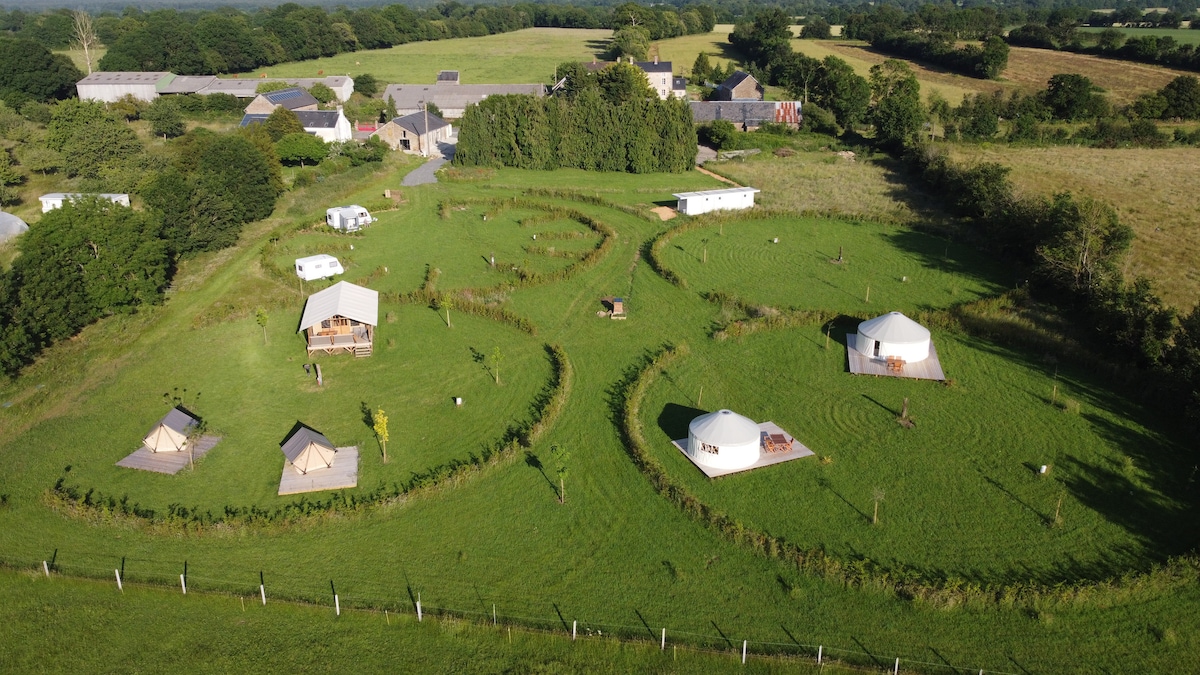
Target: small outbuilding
{"type": "Point", "coordinates": [341, 318]}
{"type": "Point", "coordinates": [318, 266]}
{"type": "Point", "coordinates": [308, 450]}
{"type": "Point", "coordinates": [695, 203]}
{"type": "Point", "coordinates": [55, 200]}
{"type": "Point", "coordinates": [724, 440]}
{"type": "Point", "coordinates": [348, 218]}
{"type": "Point", "coordinates": [170, 434]}
{"type": "Point", "coordinates": [292, 98]}
{"type": "Point", "coordinates": [893, 336]}
{"type": "Point", "coordinates": [11, 226]}
{"type": "Point", "coordinates": [419, 132]}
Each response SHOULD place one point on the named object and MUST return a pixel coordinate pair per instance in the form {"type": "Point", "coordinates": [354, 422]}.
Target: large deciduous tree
{"type": "Point", "coordinates": [897, 114]}
{"type": "Point", "coordinates": [31, 73]}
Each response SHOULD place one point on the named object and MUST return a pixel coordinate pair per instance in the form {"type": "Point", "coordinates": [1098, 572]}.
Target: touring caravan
{"type": "Point", "coordinates": [348, 218]}
{"type": "Point", "coordinates": [317, 267]}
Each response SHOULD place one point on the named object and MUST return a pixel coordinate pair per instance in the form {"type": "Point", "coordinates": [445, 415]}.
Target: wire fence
{"type": "Point", "coordinates": [379, 597]}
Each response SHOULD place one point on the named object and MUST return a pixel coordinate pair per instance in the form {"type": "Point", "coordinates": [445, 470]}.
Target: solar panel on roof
{"type": "Point", "coordinates": [284, 94]}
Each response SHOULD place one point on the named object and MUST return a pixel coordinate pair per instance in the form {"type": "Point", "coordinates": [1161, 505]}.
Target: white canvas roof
{"type": "Point", "coordinates": [725, 427]}
{"type": "Point", "coordinates": [894, 328]}
{"type": "Point", "coordinates": [308, 449]}
{"type": "Point", "coordinates": [341, 299]}
{"type": "Point", "coordinates": [320, 257]}
{"type": "Point", "coordinates": [714, 193]}
{"type": "Point", "coordinates": [11, 226]}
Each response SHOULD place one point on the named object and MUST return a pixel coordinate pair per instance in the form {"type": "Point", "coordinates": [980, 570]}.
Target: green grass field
{"type": "Point", "coordinates": [524, 56]}
{"type": "Point", "coordinates": [967, 462]}
{"type": "Point", "coordinates": [903, 270]}
{"type": "Point", "coordinates": [1180, 35]}
{"type": "Point", "coordinates": [960, 496]}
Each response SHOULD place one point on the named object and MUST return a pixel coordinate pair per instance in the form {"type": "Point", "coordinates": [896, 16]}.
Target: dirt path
{"type": "Point", "coordinates": [723, 179]}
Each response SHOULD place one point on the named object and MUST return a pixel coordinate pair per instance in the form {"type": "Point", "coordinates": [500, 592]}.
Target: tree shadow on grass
{"type": "Point", "coordinates": [532, 461]}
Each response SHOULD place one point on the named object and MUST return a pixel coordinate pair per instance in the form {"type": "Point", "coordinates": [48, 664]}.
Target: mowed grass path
{"type": "Point", "coordinates": [524, 56]}
{"type": "Point", "coordinates": [1150, 189]}
{"type": "Point", "coordinates": [882, 268]}
{"type": "Point", "coordinates": [960, 493]}
{"type": "Point", "coordinates": [615, 552]}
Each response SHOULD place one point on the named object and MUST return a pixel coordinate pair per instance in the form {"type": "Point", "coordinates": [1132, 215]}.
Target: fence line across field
{"type": "Point", "coordinates": [573, 629]}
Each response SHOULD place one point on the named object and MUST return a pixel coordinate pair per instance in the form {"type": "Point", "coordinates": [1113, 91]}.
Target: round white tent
{"type": "Point", "coordinates": [724, 440]}
{"type": "Point", "coordinates": [11, 226]}
{"type": "Point", "coordinates": [308, 450]}
{"type": "Point", "coordinates": [893, 334]}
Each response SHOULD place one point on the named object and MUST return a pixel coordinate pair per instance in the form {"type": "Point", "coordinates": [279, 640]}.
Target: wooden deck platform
{"type": "Point", "coordinates": [167, 462]}
{"type": "Point", "coordinates": [764, 458]}
{"type": "Point", "coordinates": [861, 364]}
{"type": "Point", "coordinates": [343, 474]}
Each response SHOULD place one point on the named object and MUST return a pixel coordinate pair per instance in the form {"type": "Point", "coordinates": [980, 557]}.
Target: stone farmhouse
{"type": "Point", "coordinates": [418, 132]}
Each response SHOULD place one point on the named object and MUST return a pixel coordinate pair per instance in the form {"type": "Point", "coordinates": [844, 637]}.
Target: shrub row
{"type": "Point", "coordinates": [95, 506]}
{"type": "Point", "coordinates": [908, 584]}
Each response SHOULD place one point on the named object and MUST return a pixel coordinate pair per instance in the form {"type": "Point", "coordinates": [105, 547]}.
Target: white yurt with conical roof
{"type": "Point", "coordinates": [893, 334]}
{"type": "Point", "coordinates": [308, 450]}
{"type": "Point", "coordinates": [724, 440]}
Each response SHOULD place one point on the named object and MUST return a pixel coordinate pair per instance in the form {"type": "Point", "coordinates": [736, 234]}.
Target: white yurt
{"type": "Point", "coordinates": [724, 440]}
{"type": "Point", "coordinates": [893, 334]}
{"type": "Point", "coordinates": [171, 432]}
{"type": "Point", "coordinates": [308, 450]}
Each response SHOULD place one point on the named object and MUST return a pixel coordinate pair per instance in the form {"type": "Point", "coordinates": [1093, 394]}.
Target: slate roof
{"type": "Point", "coordinates": [679, 83]}
{"type": "Point", "coordinates": [179, 420]}
{"type": "Point", "coordinates": [410, 96]}
{"type": "Point", "coordinates": [652, 67]}
{"type": "Point", "coordinates": [291, 98]}
{"type": "Point", "coordinates": [752, 113]}
{"type": "Point", "coordinates": [185, 84]}
{"type": "Point", "coordinates": [341, 299]}
{"type": "Point", "coordinates": [447, 77]}
{"type": "Point", "coordinates": [735, 79]}
{"type": "Point", "coordinates": [311, 119]}
{"type": "Point", "coordinates": [123, 77]}
{"type": "Point", "coordinates": [416, 122]}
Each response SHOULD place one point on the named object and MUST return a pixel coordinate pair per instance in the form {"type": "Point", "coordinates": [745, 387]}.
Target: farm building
{"type": "Point", "coordinates": [341, 318]}
{"type": "Point", "coordinates": [11, 226]}
{"type": "Point", "coordinates": [893, 335]}
{"type": "Point", "coordinates": [170, 434]}
{"type": "Point", "coordinates": [418, 132]}
{"type": "Point", "coordinates": [308, 450]}
{"type": "Point", "coordinates": [348, 218]}
{"type": "Point", "coordinates": [318, 267]}
{"type": "Point", "coordinates": [55, 200]}
{"type": "Point", "coordinates": [327, 125]}
{"type": "Point", "coordinates": [111, 86]}
{"type": "Point", "coordinates": [695, 203]}
{"type": "Point", "coordinates": [724, 440]}
{"type": "Point", "coordinates": [451, 99]}
{"type": "Point", "coordinates": [747, 115]}
{"type": "Point", "coordinates": [292, 98]}
{"type": "Point", "coordinates": [741, 86]}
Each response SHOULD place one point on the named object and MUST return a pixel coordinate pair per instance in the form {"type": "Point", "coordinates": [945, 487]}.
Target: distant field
{"type": "Point", "coordinates": [1028, 70]}
{"type": "Point", "coordinates": [1181, 35]}
{"type": "Point", "coordinates": [523, 56]}
{"type": "Point", "coordinates": [76, 56]}
{"type": "Point", "coordinates": [1153, 190]}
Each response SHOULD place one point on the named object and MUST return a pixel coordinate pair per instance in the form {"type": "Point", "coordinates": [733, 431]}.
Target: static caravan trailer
{"type": "Point", "coordinates": [695, 203]}
{"type": "Point", "coordinates": [317, 267]}
{"type": "Point", "coordinates": [55, 200]}
{"type": "Point", "coordinates": [348, 218]}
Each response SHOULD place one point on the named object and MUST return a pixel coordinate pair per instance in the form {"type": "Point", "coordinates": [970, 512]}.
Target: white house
{"type": "Point", "coordinates": [327, 125]}
{"type": "Point", "coordinates": [55, 200]}
{"type": "Point", "coordinates": [724, 440]}
{"type": "Point", "coordinates": [348, 218]}
{"type": "Point", "coordinates": [895, 335]}
{"type": "Point", "coordinates": [318, 267]}
{"type": "Point", "coordinates": [695, 203]}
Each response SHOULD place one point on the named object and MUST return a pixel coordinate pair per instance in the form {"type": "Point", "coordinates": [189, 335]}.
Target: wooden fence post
{"type": "Point", "coordinates": [119, 586]}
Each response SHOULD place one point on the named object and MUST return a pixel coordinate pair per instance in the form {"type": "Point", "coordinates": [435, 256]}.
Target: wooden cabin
{"type": "Point", "coordinates": [341, 319]}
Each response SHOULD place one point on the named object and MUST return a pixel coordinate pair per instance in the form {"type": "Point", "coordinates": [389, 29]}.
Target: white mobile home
{"type": "Point", "coordinates": [348, 218]}
{"type": "Point", "coordinates": [695, 203]}
{"type": "Point", "coordinates": [318, 267]}
{"type": "Point", "coordinates": [55, 200]}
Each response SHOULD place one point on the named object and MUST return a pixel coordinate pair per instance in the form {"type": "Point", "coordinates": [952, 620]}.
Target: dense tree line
{"type": "Point", "coordinates": [93, 258]}
{"type": "Point", "coordinates": [609, 121]}
{"type": "Point", "coordinates": [31, 73]}
{"type": "Point", "coordinates": [931, 34]}
{"type": "Point", "coordinates": [225, 41]}
{"type": "Point", "coordinates": [1059, 31]}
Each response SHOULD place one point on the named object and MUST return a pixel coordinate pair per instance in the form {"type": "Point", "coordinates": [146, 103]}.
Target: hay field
{"type": "Point", "coordinates": [1153, 190]}
{"type": "Point", "coordinates": [951, 86]}
{"type": "Point", "coordinates": [1182, 36]}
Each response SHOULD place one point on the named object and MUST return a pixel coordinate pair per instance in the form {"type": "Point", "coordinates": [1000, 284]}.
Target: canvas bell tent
{"type": "Point", "coordinates": [893, 335]}
{"type": "Point", "coordinates": [341, 318]}
{"type": "Point", "coordinates": [308, 450]}
{"type": "Point", "coordinates": [170, 434]}
{"type": "Point", "coordinates": [724, 440]}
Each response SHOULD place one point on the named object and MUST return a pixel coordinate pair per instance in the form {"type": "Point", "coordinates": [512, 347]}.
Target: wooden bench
{"type": "Point", "coordinates": [895, 364]}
